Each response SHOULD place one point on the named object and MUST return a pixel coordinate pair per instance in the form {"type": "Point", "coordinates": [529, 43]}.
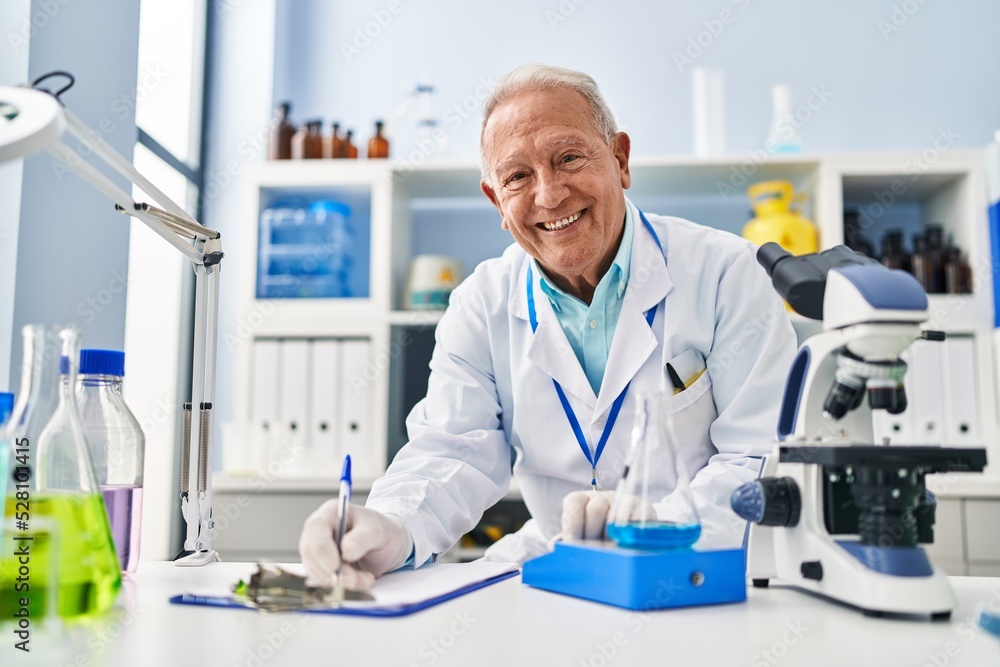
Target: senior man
{"type": "Point", "coordinates": [540, 345]}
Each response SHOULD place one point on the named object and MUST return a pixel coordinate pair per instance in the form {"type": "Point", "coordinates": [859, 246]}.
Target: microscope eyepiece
{"type": "Point", "coordinates": [770, 254]}
{"type": "Point", "coordinates": [801, 281]}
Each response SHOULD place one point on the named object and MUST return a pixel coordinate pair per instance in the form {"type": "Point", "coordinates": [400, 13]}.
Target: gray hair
{"type": "Point", "coordinates": [545, 77]}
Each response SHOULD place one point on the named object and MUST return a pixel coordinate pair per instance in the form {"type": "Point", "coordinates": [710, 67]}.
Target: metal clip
{"type": "Point", "coordinates": [272, 588]}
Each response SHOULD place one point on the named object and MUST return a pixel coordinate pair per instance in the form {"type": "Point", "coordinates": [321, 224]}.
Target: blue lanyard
{"type": "Point", "coordinates": [616, 407]}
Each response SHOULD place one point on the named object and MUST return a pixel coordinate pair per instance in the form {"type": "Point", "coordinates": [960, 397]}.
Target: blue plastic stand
{"type": "Point", "coordinates": [990, 622]}
{"type": "Point", "coordinates": [603, 572]}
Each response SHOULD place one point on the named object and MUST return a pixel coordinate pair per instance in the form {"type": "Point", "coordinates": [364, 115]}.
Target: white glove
{"type": "Point", "coordinates": [373, 544]}
{"type": "Point", "coordinates": [586, 514]}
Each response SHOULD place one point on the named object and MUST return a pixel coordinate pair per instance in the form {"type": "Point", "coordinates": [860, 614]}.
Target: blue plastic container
{"type": "Point", "coordinates": [306, 250]}
{"type": "Point", "coordinates": [648, 579]}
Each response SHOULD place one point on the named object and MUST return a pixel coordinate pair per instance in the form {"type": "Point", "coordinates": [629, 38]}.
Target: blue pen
{"type": "Point", "coordinates": [344, 498]}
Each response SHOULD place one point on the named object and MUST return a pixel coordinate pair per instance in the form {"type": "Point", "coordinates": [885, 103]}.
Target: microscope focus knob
{"type": "Point", "coordinates": [771, 501]}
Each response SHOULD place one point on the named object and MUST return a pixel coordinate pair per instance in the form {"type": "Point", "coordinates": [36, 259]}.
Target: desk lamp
{"type": "Point", "coordinates": [32, 120]}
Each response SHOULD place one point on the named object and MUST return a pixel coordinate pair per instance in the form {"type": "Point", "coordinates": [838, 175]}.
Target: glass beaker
{"type": "Point", "coordinates": [653, 507]}
{"type": "Point", "coordinates": [53, 481]}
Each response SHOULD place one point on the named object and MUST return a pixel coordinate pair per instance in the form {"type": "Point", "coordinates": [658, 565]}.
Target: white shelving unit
{"type": "Point", "coordinates": [438, 208]}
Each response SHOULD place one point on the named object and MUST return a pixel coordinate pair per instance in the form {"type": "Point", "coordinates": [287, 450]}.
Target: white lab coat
{"type": "Point", "coordinates": [490, 391]}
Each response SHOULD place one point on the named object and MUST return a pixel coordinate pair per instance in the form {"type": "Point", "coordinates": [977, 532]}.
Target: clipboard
{"type": "Point", "coordinates": [374, 611]}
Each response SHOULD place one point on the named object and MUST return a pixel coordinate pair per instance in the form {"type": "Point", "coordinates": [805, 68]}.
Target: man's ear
{"type": "Point", "coordinates": [492, 196]}
{"type": "Point", "coordinates": [621, 145]}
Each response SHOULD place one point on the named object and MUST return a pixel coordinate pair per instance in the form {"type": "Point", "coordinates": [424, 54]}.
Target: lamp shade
{"type": "Point", "coordinates": [30, 121]}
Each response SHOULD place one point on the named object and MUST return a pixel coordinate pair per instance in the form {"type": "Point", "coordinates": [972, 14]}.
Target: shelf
{"type": "Point", "coordinates": [902, 188]}
{"type": "Point", "coordinates": [260, 482]}
{"type": "Point", "coordinates": [651, 174]}
{"type": "Point", "coordinates": [318, 173]}
{"type": "Point", "coordinates": [904, 193]}
{"type": "Point", "coordinates": [958, 312]}
{"type": "Point", "coordinates": [724, 179]}
{"type": "Point", "coordinates": [415, 318]}
{"type": "Point", "coordinates": [438, 208]}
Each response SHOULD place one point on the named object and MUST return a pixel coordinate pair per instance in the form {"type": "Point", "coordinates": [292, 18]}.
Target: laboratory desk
{"type": "Point", "coordinates": [507, 624]}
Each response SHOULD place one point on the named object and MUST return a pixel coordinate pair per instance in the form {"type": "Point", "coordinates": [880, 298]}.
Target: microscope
{"type": "Point", "coordinates": [833, 512]}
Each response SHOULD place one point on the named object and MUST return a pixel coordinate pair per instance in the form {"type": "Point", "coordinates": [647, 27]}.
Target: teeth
{"type": "Point", "coordinates": [560, 224]}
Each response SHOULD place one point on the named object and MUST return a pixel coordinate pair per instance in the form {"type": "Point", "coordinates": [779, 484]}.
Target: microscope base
{"type": "Point", "coordinates": [798, 557]}
{"type": "Point", "coordinates": [603, 572]}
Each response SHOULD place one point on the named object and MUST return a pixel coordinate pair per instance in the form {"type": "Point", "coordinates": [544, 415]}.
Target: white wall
{"type": "Point", "coordinates": [239, 106]}
{"type": "Point", "coordinates": [891, 88]}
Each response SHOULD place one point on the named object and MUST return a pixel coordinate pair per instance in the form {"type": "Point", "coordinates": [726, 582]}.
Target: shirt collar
{"type": "Point", "coordinates": [619, 270]}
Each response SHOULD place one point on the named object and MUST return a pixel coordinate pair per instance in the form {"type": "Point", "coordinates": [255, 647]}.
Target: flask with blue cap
{"type": "Point", "coordinates": [6, 406]}
{"type": "Point", "coordinates": [117, 447]}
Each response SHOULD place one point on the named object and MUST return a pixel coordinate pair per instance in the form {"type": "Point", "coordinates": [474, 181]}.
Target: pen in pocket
{"type": "Point", "coordinates": [675, 379]}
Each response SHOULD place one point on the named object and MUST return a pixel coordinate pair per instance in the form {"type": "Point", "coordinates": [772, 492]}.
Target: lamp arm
{"type": "Point", "coordinates": [203, 247]}
{"type": "Point", "coordinates": [105, 185]}
{"type": "Point", "coordinates": [111, 157]}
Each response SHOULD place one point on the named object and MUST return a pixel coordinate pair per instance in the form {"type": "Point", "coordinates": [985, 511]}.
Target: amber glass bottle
{"type": "Point", "coordinates": [279, 144]}
{"type": "Point", "coordinates": [957, 273]}
{"type": "Point", "coordinates": [893, 254]}
{"type": "Point", "coordinates": [336, 142]}
{"type": "Point", "coordinates": [350, 150]}
{"type": "Point", "coordinates": [378, 146]}
{"type": "Point", "coordinates": [921, 265]}
{"type": "Point", "coordinates": [307, 144]}
{"type": "Point", "coordinates": [937, 255]}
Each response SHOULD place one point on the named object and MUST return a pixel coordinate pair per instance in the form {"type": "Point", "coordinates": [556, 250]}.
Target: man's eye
{"type": "Point", "coordinates": [569, 158]}
{"type": "Point", "coordinates": [514, 178]}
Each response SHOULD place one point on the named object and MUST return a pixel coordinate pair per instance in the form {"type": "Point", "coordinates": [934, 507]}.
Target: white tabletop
{"type": "Point", "coordinates": [506, 624]}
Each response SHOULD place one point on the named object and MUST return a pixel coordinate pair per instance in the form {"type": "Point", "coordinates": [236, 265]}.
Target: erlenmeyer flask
{"type": "Point", "coordinates": [53, 481]}
{"type": "Point", "coordinates": [653, 507]}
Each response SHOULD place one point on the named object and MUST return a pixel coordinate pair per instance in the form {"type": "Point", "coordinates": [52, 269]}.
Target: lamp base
{"type": "Point", "coordinates": [196, 558]}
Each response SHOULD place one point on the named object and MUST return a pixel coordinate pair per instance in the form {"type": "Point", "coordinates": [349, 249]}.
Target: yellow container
{"type": "Point", "coordinates": [776, 221]}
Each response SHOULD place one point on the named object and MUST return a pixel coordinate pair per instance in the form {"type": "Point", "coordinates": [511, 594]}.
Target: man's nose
{"type": "Point", "coordinates": [550, 190]}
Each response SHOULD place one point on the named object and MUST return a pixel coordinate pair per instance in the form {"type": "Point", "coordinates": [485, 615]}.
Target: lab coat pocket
{"type": "Point", "coordinates": [692, 412]}
{"type": "Point", "coordinates": [692, 394]}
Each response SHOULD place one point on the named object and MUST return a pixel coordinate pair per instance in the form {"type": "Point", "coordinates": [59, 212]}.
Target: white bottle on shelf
{"type": "Point", "coordinates": [782, 134]}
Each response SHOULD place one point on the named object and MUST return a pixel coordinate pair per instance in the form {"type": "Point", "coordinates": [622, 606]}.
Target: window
{"type": "Point", "coordinates": [169, 112]}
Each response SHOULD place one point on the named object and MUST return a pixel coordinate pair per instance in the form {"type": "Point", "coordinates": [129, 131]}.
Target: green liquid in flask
{"type": "Point", "coordinates": [88, 573]}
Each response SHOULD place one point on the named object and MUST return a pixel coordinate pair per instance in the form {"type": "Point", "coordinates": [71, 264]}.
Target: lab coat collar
{"type": "Point", "coordinates": [634, 340]}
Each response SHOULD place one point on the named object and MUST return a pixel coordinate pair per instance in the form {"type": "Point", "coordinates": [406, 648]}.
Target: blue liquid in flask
{"type": "Point", "coordinates": [654, 535]}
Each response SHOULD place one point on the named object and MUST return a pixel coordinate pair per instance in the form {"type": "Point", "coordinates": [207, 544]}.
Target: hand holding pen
{"type": "Point", "coordinates": [351, 546]}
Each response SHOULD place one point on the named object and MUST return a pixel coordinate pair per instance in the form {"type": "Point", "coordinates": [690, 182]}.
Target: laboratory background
{"type": "Point", "coordinates": [333, 146]}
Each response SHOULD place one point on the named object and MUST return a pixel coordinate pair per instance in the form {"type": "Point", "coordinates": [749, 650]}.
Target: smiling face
{"type": "Point", "coordinates": [559, 186]}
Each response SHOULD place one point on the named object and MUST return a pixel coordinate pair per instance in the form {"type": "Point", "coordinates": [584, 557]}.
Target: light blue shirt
{"type": "Point", "coordinates": [591, 328]}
